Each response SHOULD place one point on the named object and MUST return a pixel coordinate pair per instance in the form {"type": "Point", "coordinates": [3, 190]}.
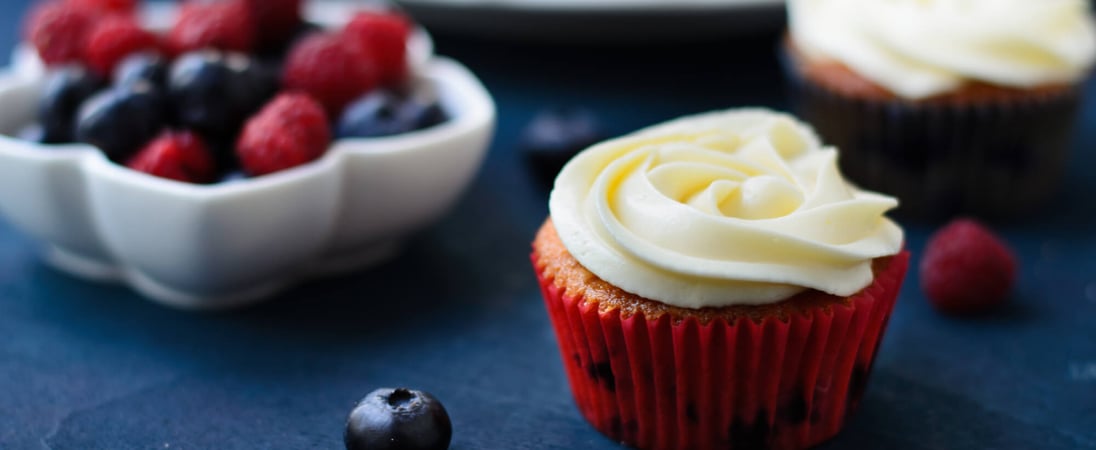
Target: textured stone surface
{"type": "Point", "coordinates": [91, 366]}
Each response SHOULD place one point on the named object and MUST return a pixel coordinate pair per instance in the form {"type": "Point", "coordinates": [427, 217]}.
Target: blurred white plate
{"type": "Point", "coordinates": [599, 20]}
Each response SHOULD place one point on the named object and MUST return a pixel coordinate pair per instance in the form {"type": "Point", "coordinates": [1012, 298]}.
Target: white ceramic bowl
{"type": "Point", "coordinates": [229, 244]}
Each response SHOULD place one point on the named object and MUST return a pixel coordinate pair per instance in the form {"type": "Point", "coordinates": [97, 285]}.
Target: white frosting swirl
{"type": "Point", "coordinates": [734, 207]}
{"type": "Point", "coordinates": [921, 48]}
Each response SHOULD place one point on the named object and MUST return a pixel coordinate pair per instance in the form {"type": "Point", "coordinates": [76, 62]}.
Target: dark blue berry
{"type": "Point", "coordinates": [224, 152]}
{"type": "Point", "coordinates": [214, 93]}
{"type": "Point", "coordinates": [556, 135]}
{"type": "Point", "coordinates": [274, 52]}
{"type": "Point", "coordinates": [398, 419]}
{"type": "Point", "coordinates": [32, 133]}
{"type": "Point", "coordinates": [384, 113]}
{"type": "Point", "coordinates": [233, 176]}
{"type": "Point", "coordinates": [256, 84]}
{"type": "Point", "coordinates": [149, 67]}
{"type": "Point", "coordinates": [66, 89]}
{"type": "Point", "coordinates": [121, 120]}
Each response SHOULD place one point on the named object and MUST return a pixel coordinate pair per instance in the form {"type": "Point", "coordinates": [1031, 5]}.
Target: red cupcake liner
{"type": "Point", "coordinates": [679, 384]}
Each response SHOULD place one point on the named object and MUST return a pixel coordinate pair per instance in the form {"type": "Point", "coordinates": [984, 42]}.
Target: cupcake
{"type": "Point", "coordinates": [950, 105]}
{"type": "Point", "coordinates": [714, 282]}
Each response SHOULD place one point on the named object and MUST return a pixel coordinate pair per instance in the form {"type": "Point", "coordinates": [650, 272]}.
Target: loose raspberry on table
{"type": "Point", "coordinates": [225, 25]}
{"type": "Point", "coordinates": [109, 6]}
{"type": "Point", "coordinates": [178, 155]}
{"type": "Point", "coordinates": [59, 31]}
{"type": "Point", "coordinates": [384, 36]}
{"type": "Point", "coordinates": [332, 69]}
{"type": "Point", "coordinates": [112, 39]}
{"type": "Point", "coordinates": [966, 269]}
{"type": "Point", "coordinates": [289, 131]}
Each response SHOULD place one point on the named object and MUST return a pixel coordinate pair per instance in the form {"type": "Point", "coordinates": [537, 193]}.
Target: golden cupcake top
{"type": "Point", "coordinates": [734, 207]}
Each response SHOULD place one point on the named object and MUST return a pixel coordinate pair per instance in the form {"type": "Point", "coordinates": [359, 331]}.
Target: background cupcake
{"type": "Point", "coordinates": [715, 283]}
{"type": "Point", "coordinates": [953, 106]}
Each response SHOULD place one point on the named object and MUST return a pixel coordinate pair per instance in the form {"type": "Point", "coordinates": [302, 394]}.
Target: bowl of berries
{"type": "Point", "coordinates": [214, 153]}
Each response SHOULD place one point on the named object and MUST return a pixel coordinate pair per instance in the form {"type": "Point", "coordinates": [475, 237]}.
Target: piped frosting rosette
{"type": "Point", "coordinates": [725, 208]}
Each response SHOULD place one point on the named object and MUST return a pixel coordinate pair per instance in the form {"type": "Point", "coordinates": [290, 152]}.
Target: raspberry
{"type": "Point", "coordinates": [289, 131]}
{"type": "Point", "coordinates": [331, 69]}
{"type": "Point", "coordinates": [966, 269]}
{"type": "Point", "coordinates": [59, 31]}
{"type": "Point", "coordinates": [384, 37]}
{"type": "Point", "coordinates": [178, 155]}
{"type": "Point", "coordinates": [221, 25]}
{"type": "Point", "coordinates": [111, 6]}
{"type": "Point", "coordinates": [274, 19]}
{"type": "Point", "coordinates": [112, 39]}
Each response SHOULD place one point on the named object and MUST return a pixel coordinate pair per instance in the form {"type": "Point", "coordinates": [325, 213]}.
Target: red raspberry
{"type": "Point", "coordinates": [289, 131]}
{"type": "Point", "coordinates": [114, 6]}
{"type": "Point", "coordinates": [178, 155]}
{"type": "Point", "coordinates": [221, 25]}
{"type": "Point", "coordinates": [112, 39]}
{"type": "Point", "coordinates": [966, 269]}
{"type": "Point", "coordinates": [59, 31]}
{"type": "Point", "coordinates": [331, 69]}
{"type": "Point", "coordinates": [384, 36]}
{"type": "Point", "coordinates": [274, 19]}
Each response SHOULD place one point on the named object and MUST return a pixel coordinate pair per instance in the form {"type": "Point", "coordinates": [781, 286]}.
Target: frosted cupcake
{"type": "Point", "coordinates": [951, 105]}
{"type": "Point", "coordinates": [714, 282]}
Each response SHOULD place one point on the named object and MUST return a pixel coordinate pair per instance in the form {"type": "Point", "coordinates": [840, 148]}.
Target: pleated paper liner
{"type": "Point", "coordinates": [673, 383]}
{"type": "Point", "coordinates": [994, 157]}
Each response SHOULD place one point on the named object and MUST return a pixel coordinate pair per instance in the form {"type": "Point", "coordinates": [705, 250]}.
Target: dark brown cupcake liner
{"type": "Point", "coordinates": [997, 157]}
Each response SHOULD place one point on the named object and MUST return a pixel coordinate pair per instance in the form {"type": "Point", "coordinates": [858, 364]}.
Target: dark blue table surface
{"type": "Point", "coordinates": [88, 366]}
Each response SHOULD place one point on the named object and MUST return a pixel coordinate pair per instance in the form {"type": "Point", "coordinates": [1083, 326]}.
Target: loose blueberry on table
{"type": "Point", "coordinates": [555, 135]}
{"type": "Point", "coordinates": [233, 87]}
{"type": "Point", "coordinates": [398, 419]}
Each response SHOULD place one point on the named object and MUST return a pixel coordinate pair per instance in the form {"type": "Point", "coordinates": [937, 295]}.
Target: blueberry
{"type": "Point", "coordinates": [145, 66]}
{"type": "Point", "coordinates": [234, 176]}
{"type": "Point", "coordinates": [274, 52]}
{"type": "Point", "coordinates": [256, 84]}
{"type": "Point", "coordinates": [384, 113]}
{"type": "Point", "coordinates": [214, 93]}
{"type": "Point", "coordinates": [66, 89]}
{"type": "Point", "coordinates": [555, 135]}
{"type": "Point", "coordinates": [121, 120]}
{"type": "Point", "coordinates": [224, 152]}
{"type": "Point", "coordinates": [32, 133]}
{"type": "Point", "coordinates": [398, 419]}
